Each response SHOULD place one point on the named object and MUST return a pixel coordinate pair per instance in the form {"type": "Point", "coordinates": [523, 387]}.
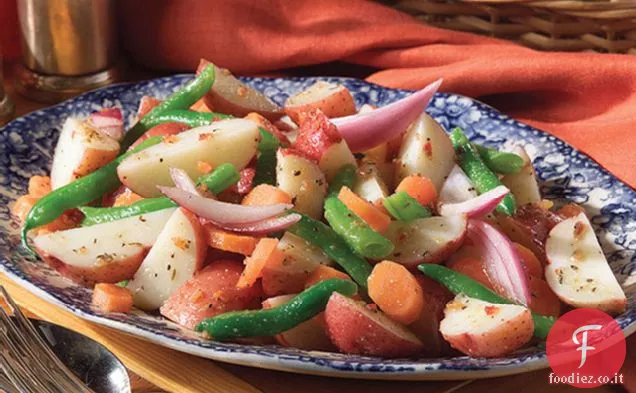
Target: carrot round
{"type": "Point", "coordinates": [112, 298]}
{"type": "Point", "coordinates": [228, 241]}
{"type": "Point", "coordinates": [265, 194]}
{"type": "Point", "coordinates": [396, 291]}
{"type": "Point", "coordinates": [533, 266]}
{"type": "Point", "coordinates": [265, 253]}
{"type": "Point", "coordinates": [419, 188]}
{"type": "Point", "coordinates": [323, 273]}
{"type": "Point", "coordinates": [376, 218]}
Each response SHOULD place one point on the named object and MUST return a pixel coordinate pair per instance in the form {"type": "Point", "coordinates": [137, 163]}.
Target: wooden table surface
{"type": "Point", "coordinates": [279, 382]}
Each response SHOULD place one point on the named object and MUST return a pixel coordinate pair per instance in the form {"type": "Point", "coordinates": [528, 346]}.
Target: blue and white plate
{"type": "Point", "coordinates": [26, 147]}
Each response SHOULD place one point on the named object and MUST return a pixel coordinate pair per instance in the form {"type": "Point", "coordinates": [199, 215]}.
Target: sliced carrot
{"type": "Point", "coordinates": [69, 219]}
{"type": "Point", "coordinates": [265, 194]}
{"type": "Point", "coordinates": [377, 219]}
{"type": "Point", "coordinates": [396, 291]}
{"type": "Point", "coordinates": [39, 186]}
{"type": "Point", "coordinates": [147, 104]}
{"type": "Point", "coordinates": [543, 301]}
{"type": "Point", "coordinates": [266, 252]}
{"type": "Point", "coordinates": [112, 298]}
{"type": "Point", "coordinates": [533, 266]}
{"type": "Point", "coordinates": [471, 266]}
{"type": "Point", "coordinates": [126, 198]}
{"type": "Point", "coordinates": [228, 241]}
{"type": "Point", "coordinates": [322, 273]}
{"type": "Point", "coordinates": [419, 188]}
{"type": "Point", "coordinates": [200, 106]}
{"type": "Point", "coordinates": [22, 206]}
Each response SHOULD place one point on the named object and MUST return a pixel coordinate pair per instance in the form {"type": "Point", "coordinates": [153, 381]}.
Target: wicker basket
{"type": "Point", "coordinates": [556, 25]}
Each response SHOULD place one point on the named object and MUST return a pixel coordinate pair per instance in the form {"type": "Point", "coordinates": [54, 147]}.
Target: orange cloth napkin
{"type": "Point", "coordinates": [589, 100]}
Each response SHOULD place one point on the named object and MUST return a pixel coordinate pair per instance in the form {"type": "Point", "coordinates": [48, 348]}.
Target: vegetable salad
{"type": "Point", "coordinates": [317, 225]}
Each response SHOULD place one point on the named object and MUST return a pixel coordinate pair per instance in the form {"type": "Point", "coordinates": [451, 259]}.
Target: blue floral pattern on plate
{"type": "Point", "coordinates": [27, 144]}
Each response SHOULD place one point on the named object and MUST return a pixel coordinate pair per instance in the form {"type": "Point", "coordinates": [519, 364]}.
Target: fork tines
{"type": "Point", "coordinates": [27, 360]}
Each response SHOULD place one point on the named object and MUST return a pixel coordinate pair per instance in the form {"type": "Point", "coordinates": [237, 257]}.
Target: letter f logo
{"type": "Point", "coordinates": [584, 347]}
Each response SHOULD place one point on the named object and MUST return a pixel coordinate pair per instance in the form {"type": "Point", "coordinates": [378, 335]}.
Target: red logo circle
{"type": "Point", "coordinates": [585, 348]}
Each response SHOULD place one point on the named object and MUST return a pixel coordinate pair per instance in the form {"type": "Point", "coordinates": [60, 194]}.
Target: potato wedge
{"type": "Point", "coordinates": [482, 329]}
{"type": "Point", "coordinates": [357, 328]}
{"type": "Point", "coordinates": [370, 186]}
{"type": "Point", "coordinates": [210, 292]}
{"type": "Point", "coordinates": [426, 240]}
{"type": "Point", "coordinates": [523, 185]}
{"type": "Point", "coordinates": [332, 99]}
{"type": "Point", "coordinates": [302, 180]}
{"type": "Point", "coordinates": [106, 253]}
{"type": "Point", "coordinates": [230, 95]}
{"type": "Point", "coordinates": [578, 272]}
{"type": "Point", "coordinates": [426, 151]}
{"type": "Point", "coordinates": [229, 141]}
{"type": "Point", "coordinates": [176, 255]}
{"type": "Point", "coordinates": [80, 150]}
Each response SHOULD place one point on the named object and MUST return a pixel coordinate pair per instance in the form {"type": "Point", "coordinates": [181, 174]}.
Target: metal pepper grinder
{"type": "Point", "coordinates": [68, 47]}
{"type": "Point", "coordinates": [6, 105]}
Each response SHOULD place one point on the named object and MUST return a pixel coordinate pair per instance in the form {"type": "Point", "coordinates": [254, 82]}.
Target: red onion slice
{"type": "Point", "coordinates": [264, 227]}
{"type": "Point", "coordinates": [109, 122]}
{"type": "Point", "coordinates": [476, 207]}
{"type": "Point", "coordinates": [222, 212]}
{"type": "Point", "coordinates": [183, 181]}
{"type": "Point", "coordinates": [364, 131]}
{"type": "Point", "coordinates": [502, 263]}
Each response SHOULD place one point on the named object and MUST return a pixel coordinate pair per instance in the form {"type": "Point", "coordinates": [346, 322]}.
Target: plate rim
{"type": "Point", "coordinates": [538, 362]}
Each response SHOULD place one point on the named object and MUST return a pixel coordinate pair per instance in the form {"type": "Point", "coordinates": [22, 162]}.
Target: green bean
{"type": "Point", "coordinates": [482, 177]}
{"type": "Point", "coordinates": [190, 118]}
{"type": "Point", "coordinates": [269, 322]}
{"type": "Point", "coordinates": [182, 99]}
{"type": "Point", "coordinates": [500, 161]}
{"type": "Point", "coordinates": [357, 233]}
{"type": "Point", "coordinates": [460, 283]}
{"type": "Point", "coordinates": [403, 207]}
{"type": "Point", "coordinates": [222, 177]}
{"type": "Point", "coordinates": [79, 192]}
{"type": "Point", "coordinates": [100, 215]}
{"type": "Point", "coordinates": [346, 177]}
{"type": "Point", "coordinates": [325, 238]}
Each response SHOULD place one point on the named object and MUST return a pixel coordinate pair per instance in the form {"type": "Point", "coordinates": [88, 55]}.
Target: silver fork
{"type": "Point", "coordinates": [28, 361]}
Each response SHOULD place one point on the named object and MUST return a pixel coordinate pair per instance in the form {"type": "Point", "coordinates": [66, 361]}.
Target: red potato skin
{"type": "Point", "coordinates": [490, 345]}
{"type": "Point", "coordinates": [110, 273]}
{"type": "Point", "coordinates": [316, 135]}
{"type": "Point", "coordinates": [210, 292]}
{"type": "Point", "coordinates": [339, 104]}
{"type": "Point", "coordinates": [164, 129]}
{"type": "Point", "coordinates": [201, 241]}
{"type": "Point", "coordinates": [529, 227]}
{"type": "Point", "coordinates": [356, 332]}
